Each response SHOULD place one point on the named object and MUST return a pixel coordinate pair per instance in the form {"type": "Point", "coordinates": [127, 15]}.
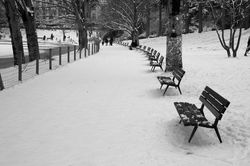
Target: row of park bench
{"type": "Point", "coordinates": [156, 60]}
{"type": "Point", "coordinates": [190, 114]}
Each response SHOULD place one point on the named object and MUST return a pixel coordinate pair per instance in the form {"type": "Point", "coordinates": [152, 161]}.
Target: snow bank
{"type": "Point", "coordinates": [108, 110]}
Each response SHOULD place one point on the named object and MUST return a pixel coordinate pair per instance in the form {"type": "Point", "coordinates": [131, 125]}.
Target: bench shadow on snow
{"type": "Point", "coordinates": [178, 135]}
{"type": "Point", "coordinates": [158, 93]}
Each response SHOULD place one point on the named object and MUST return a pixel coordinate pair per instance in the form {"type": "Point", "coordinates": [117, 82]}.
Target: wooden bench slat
{"type": "Point", "coordinates": [178, 77]}
{"type": "Point", "coordinates": [190, 115]}
{"type": "Point", "coordinates": [214, 102]}
{"type": "Point", "coordinates": [221, 99]}
{"type": "Point", "coordinates": [178, 73]}
{"type": "Point", "coordinates": [211, 108]}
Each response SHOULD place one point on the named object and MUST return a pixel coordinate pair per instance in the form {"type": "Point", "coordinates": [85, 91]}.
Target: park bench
{"type": "Point", "coordinates": [143, 48]}
{"type": "Point", "coordinates": [157, 64]}
{"type": "Point", "coordinates": [190, 115]}
{"type": "Point", "coordinates": [154, 58]}
{"type": "Point", "coordinates": [148, 50]}
{"type": "Point", "coordinates": [152, 55]}
{"type": "Point", "coordinates": [174, 81]}
{"type": "Point", "coordinates": [139, 47]}
{"type": "Point", "coordinates": [149, 53]}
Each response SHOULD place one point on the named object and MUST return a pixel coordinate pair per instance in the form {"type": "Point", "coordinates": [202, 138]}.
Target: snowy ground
{"type": "Point", "coordinates": [108, 110]}
{"type": "Point", "coordinates": [6, 48]}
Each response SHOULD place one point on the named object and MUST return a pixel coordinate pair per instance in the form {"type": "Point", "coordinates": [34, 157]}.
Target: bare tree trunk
{"type": "Point", "coordinates": [148, 21]}
{"type": "Point", "coordinates": [135, 38]}
{"type": "Point", "coordinates": [82, 28]}
{"type": "Point", "coordinates": [31, 35]}
{"type": "Point", "coordinates": [187, 17]}
{"type": "Point", "coordinates": [16, 36]}
{"type": "Point", "coordinates": [174, 41]}
{"type": "Point", "coordinates": [235, 48]}
{"type": "Point", "coordinates": [28, 17]}
{"type": "Point", "coordinates": [200, 17]}
{"type": "Point", "coordinates": [160, 19]}
{"type": "Point", "coordinates": [82, 37]}
{"type": "Point", "coordinates": [247, 19]}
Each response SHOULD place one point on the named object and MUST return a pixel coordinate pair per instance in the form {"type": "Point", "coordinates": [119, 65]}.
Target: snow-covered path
{"type": "Point", "coordinates": [88, 113]}
{"type": "Point", "coordinates": [104, 110]}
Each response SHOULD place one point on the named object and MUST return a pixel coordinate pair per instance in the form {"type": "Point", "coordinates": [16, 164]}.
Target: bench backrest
{"type": "Point", "coordinates": [214, 102]}
{"type": "Point", "coordinates": [154, 53]}
{"type": "Point", "coordinates": [157, 56]}
{"type": "Point", "coordinates": [151, 51]}
{"type": "Point", "coordinates": [178, 73]}
{"type": "Point", "coordinates": [161, 60]}
{"type": "Point", "coordinates": [149, 48]}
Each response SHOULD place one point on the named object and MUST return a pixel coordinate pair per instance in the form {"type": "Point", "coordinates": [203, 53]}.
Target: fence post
{"type": "Point", "coordinates": [85, 52]}
{"type": "Point", "coordinates": [74, 52]}
{"type": "Point", "coordinates": [80, 53]}
{"type": "Point", "coordinates": [20, 68]}
{"type": "Point", "coordinates": [1, 83]}
{"type": "Point", "coordinates": [60, 55]}
{"type": "Point", "coordinates": [92, 49]}
{"type": "Point", "coordinates": [50, 59]}
{"type": "Point", "coordinates": [37, 64]}
{"type": "Point", "coordinates": [68, 54]}
{"type": "Point", "coordinates": [89, 49]}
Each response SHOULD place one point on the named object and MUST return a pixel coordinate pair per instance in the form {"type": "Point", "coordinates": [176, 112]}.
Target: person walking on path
{"type": "Point", "coordinates": [111, 41]}
{"type": "Point", "coordinates": [106, 41]}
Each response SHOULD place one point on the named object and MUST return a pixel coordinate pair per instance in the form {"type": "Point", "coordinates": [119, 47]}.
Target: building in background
{"type": "Point", "coordinates": [49, 12]}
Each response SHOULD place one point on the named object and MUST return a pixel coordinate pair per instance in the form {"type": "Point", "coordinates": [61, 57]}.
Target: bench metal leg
{"type": "Point", "coordinates": [194, 130]}
{"type": "Point", "coordinates": [165, 90]}
{"type": "Point", "coordinates": [153, 68]}
{"type": "Point", "coordinates": [161, 86]}
{"type": "Point", "coordinates": [218, 134]}
{"type": "Point", "coordinates": [179, 89]}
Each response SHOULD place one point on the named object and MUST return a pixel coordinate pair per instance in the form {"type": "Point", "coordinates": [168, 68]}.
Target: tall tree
{"type": "Point", "coordinates": [3, 19]}
{"type": "Point", "coordinates": [200, 16]}
{"type": "Point", "coordinates": [26, 10]}
{"type": "Point", "coordinates": [174, 36]}
{"type": "Point", "coordinates": [160, 4]}
{"type": "Point", "coordinates": [15, 33]}
{"type": "Point", "coordinates": [148, 19]}
{"type": "Point", "coordinates": [73, 14]}
{"type": "Point", "coordinates": [126, 15]}
{"type": "Point", "coordinates": [229, 14]}
{"type": "Point", "coordinates": [78, 12]}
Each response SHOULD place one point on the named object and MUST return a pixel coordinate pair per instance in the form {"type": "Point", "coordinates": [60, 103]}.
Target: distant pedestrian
{"type": "Point", "coordinates": [111, 41]}
{"type": "Point", "coordinates": [248, 46]}
{"type": "Point", "coordinates": [44, 37]}
{"type": "Point", "coordinates": [51, 36]}
{"type": "Point", "coordinates": [103, 42]}
{"type": "Point", "coordinates": [106, 41]}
